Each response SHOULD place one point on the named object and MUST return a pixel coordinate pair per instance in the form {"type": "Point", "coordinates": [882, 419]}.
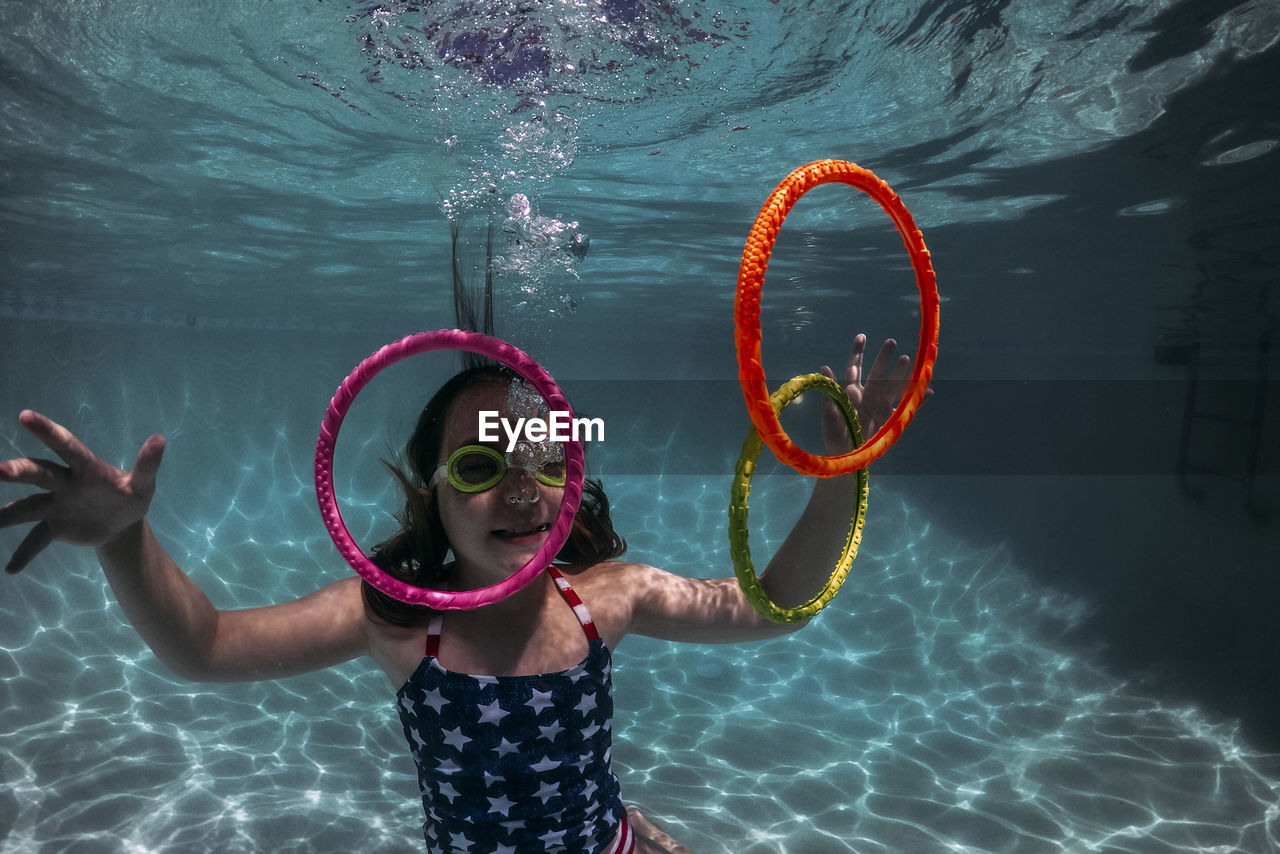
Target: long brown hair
{"type": "Point", "coordinates": [416, 553]}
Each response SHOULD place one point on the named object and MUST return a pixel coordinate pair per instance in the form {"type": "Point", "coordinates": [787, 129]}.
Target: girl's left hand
{"type": "Point", "coordinates": [875, 395]}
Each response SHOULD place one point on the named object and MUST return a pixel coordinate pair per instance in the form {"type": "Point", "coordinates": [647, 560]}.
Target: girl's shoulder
{"type": "Point", "coordinates": [610, 590]}
{"type": "Point", "coordinates": [605, 572]}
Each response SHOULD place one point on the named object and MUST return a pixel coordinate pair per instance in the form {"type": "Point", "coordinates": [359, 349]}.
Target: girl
{"type": "Point", "coordinates": [507, 708]}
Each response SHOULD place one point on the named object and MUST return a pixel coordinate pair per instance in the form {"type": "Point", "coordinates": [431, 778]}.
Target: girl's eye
{"type": "Point", "coordinates": [554, 470]}
{"type": "Point", "coordinates": [476, 468]}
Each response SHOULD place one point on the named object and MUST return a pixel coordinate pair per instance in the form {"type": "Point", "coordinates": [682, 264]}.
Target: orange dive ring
{"type": "Point", "coordinates": [746, 317]}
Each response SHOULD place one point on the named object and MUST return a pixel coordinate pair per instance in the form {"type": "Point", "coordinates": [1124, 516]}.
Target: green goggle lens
{"type": "Point", "coordinates": [475, 468]}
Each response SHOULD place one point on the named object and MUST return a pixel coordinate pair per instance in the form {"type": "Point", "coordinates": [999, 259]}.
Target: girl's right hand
{"type": "Point", "coordinates": [86, 502]}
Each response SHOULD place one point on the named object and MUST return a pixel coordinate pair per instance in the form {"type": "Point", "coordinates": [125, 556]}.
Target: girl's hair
{"type": "Point", "coordinates": [416, 554]}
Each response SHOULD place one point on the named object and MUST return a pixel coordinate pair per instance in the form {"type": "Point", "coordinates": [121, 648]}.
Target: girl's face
{"type": "Point", "coordinates": [495, 532]}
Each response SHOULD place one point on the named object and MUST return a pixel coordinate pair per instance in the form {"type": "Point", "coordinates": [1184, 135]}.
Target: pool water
{"type": "Point", "coordinates": [208, 219]}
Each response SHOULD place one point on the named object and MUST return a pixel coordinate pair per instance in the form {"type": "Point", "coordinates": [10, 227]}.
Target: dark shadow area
{"type": "Point", "coordinates": [1182, 594]}
{"type": "Point", "coordinates": [1179, 555]}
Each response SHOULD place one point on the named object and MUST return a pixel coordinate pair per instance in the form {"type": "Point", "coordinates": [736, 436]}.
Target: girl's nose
{"type": "Point", "coordinates": [521, 486]}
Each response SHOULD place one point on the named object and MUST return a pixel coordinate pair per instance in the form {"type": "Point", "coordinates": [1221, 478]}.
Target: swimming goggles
{"type": "Point", "coordinates": [475, 468]}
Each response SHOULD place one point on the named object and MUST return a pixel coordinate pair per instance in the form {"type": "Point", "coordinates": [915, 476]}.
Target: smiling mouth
{"type": "Point", "coordinates": [509, 534]}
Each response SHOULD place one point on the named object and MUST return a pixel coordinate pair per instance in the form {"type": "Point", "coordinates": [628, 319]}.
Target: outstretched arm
{"type": "Point", "coordinates": [715, 611]}
{"type": "Point", "coordinates": [803, 563]}
{"type": "Point", "coordinates": [89, 502]}
{"type": "Point", "coordinates": [198, 642]}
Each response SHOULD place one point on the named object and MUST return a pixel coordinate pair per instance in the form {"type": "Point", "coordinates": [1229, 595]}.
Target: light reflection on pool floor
{"type": "Point", "coordinates": [929, 709]}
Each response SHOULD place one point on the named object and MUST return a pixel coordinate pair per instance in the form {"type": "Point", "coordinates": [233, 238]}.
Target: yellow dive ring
{"type": "Point", "coordinates": [740, 550]}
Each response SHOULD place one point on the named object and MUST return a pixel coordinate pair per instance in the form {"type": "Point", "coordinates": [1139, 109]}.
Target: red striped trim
{"type": "Point", "coordinates": [625, 841]}
{"type": "Point", "coordinates": [432, 646]}
{"type": "Point", "coordinates": [571, 596]}
{"type": "Point", "coordinates": [433, 636]}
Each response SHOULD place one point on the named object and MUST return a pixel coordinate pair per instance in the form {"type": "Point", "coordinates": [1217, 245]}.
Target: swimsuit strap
{"type": "Point", "coordinates": [566, 592]}
{"type": "Point", "coordinates": [433, 635]}
{"type": "Point", "coordinates": [571, 596]}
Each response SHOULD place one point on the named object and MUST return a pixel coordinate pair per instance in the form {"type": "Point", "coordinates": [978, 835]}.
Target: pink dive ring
{"type": "Point", "coordinates": [423, 342]}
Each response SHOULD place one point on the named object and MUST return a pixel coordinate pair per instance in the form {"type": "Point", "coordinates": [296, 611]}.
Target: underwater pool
{"type": "Point", "coordinates": [1045, 645]}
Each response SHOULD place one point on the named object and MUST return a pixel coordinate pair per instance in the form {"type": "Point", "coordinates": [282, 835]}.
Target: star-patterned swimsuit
{"type": "Point", "coordinates": [517, 764]}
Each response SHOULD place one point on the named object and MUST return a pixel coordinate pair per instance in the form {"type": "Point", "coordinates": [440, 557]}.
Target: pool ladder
{"type": "Point", "coordinates": [1205, 407]}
